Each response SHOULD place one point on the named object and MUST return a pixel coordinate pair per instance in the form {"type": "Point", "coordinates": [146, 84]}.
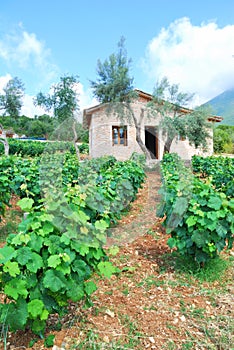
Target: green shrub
{"type": "Point", "coordinates": [199, 219]}
{"type": "Point", "coordinates": [48, 263]}
{"type": "Point", "coordinates": [36, 148]}
{"type": "Point", "coordinates": [60, 243]}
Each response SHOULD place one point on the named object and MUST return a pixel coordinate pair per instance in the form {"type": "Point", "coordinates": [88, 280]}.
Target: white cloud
{"type": "Point", "coordinates": [85, 97]}
{"type": "Point", "coordinates": [3, 81]}
{"type": "Point", "coordinates": [29, 109]}
{"type": "Point", "coordinates": [198, 58]}
{"type": "Point", "coordinates": [23, 50]}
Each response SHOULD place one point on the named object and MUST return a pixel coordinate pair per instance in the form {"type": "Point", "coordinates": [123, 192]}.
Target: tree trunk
{"type": "Point", "coordinates": [138, 137]}
{"type": "Point", "coordinates": [75, 140]}
{"type": "Point", "coordinates": [3, 139]}
{"type": "Point", "coordinates": [167, 145]}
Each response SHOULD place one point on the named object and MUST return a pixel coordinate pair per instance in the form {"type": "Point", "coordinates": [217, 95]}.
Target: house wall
{"type": "Point", "coordinates": [100, 136]}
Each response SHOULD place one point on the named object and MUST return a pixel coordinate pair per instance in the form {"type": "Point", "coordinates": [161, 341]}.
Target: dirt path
{"type": "Point", "coordinates": [142, 215]}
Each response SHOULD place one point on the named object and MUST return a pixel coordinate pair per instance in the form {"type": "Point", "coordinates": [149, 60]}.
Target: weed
{"type": "Point", "coordinates": [49, 341]}
{"type": "Point", "coordinates": [150, 281]}
{"type": "Point", "coordinates": [170, 326]}
{"type": "Point", "coordinates": [213, 270]}
{"type": "Point", "coordinates": [188, 345]}
{"type": "Point", "coordinates": [133, 334]}
{"type": "Point", "coordinates": [125, 291]}
{"type": "Point", "coordinates": [198, 313]}
{"type": "Point", "coordinates": [170, 345]}
{"type": "Point", "coordinates": [109, 292]}
{"type": "Point", "coordinates": [183, 307]}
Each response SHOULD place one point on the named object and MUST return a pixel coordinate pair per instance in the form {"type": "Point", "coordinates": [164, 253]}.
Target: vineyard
{"type": "Point", "coordinates": [70, 208]}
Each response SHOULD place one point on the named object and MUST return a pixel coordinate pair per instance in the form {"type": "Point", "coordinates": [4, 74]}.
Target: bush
{"type": "Point", "coordinates": [36, 148]}
{"type": "Point", "coordinates": [60, 243]}
{"type": "Point", "coordinates": [48, 263]}
{"type": "Point", "coordinates": [199, 219]}
{"type": "Point", "coordinates": [224, 139]}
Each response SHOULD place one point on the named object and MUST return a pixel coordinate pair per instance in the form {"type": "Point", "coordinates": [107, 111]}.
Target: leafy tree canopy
{"type": "Point", "coordinates": [63, 99]}
{"type": "Point", "coordinates": [176, 119]}
{"type": "Point", "coordinates": [114, 83]}
{"type": "Point", "coordinates": [11, 99]}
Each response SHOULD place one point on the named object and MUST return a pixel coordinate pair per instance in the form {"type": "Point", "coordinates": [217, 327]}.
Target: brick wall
{"type": "Point", "coordinates": [100, 136]}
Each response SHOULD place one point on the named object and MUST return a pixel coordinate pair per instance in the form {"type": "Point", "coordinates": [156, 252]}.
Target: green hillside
{"type": "Point", "coordinates": [223, 105]}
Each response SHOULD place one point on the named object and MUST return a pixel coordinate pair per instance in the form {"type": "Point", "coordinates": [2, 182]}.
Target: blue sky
{"type": "Point", "coordinates": [191, 42]}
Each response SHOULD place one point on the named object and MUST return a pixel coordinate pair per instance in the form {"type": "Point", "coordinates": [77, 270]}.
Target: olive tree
{"type": "Point", "coordinates": [176, 119]}
{"type": "Point", "coordinates": [114, 88]}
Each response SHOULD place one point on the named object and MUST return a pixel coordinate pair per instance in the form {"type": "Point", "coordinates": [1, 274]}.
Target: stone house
{"type": "Point", "coordinates": [108, 135]}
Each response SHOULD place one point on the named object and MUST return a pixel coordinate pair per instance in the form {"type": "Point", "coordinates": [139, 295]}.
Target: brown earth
{"type": "Point", "coordinates": [150, 304]}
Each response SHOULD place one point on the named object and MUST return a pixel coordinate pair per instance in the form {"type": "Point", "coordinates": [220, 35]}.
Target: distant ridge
{"type": "Point", "coordinates": [223, 105]}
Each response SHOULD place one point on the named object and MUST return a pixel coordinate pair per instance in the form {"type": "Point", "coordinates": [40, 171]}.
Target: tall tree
{"type": "Point", "coordinates": [62, 100]}
{"type": "Point", "coordinates": [114, 83]}
{"type": "Point", "coordinates": [114, 87]}
{"type": "Point", "coordinates": [170, 103]}
{"type": "Point", "coordinates": [11, 99]}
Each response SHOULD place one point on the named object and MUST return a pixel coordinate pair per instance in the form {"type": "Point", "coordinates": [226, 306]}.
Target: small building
{"type": "Point", "coordinates": [108, 135]}
{"type": "Point", "coordinates": [8, 133]}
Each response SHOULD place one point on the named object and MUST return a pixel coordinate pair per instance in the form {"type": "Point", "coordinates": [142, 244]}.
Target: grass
{"type": "Point", "coordinates": [214, 269]}
{"type": "Point", "coordinates": [151, 281]}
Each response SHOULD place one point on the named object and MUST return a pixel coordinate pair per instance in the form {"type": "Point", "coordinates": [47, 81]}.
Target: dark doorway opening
{"type": "Point", "coordinates": [151, 140]}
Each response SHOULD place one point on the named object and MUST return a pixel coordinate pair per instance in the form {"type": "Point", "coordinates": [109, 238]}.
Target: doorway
{"type": "Point", "coordinates": [151, 140]}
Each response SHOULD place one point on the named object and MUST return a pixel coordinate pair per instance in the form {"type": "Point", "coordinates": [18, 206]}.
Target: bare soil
{"type": "Point", "coordinates": [150, 304]}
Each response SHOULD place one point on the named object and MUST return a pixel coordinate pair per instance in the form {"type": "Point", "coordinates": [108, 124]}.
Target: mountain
{"type": "Point", "coordinates": [223, 105]}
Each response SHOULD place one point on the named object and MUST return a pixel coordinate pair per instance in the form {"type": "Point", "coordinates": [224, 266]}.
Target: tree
{"type": "Point", "coordinates": [114, 87]}
{"type": "Point", "coordinates": [114, 83]}
{"type": "Point", "coordinates": [170, 103]}
{"type": "Point", "coordinates": [63, 99]}
{"type": "Point", "coordinates": [224, 139]}
{"type": "Point", "coordinates": [11, 100]}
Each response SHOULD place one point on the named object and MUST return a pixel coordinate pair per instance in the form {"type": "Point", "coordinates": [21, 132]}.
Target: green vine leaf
{"type": "Point", "coordinates": [35, 263]}
{"type": "Point", "coordinates": [16, 287]}
{"type": "Point", "coordinates": [81, 268]}
{"type": "Point", "coordinates": [106, 268]}
{"type": "Point", "coordinates": [90, 287]}
{"type": "Point", "coordinates": [21, 238]}
{"type": "Point", "coordinates": [12, 268]}
{"type": "Point", "coordinates": [25, 204]}
{"type": "Point", "coordinates": [16, 316]}
{"type": "Point", "coordinates": [191, 221]}
{"type": "Point", "coordinates": [214, 202]}
{"type": "Point", "coordinates": [101, 225]}
{"type": "Point", "coordinates": [35, 308]}
{"type": "Point", "coordinates": [36, 242]}
{"type": "Point", "coordinates": [44, 315]}
{"type": "Point", "coordinates": [54, 261]}
{"type": "Point", "coordinates": [54, 280]}
{"type": "Point", "coordinates": [6, 253]}
{"type": "Point", "coordinates": [24, 254]}
{"type": "Point", "coordinates": [75, 292]}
